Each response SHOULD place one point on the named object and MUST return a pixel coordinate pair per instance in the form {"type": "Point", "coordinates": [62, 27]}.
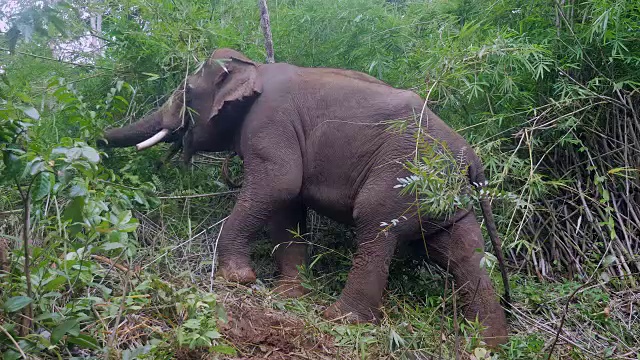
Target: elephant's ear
{"type": "Point", "coordinates": [237, 83]}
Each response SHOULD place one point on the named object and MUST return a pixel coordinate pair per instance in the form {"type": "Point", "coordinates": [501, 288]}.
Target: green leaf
{"type": "Point", "coordinates": [13, 162]}
{"type": "Point", "coordinates": [74, 212]}
{"type": "Point", "coordinates": [91, 154]}
{"type": "Point", "coordinates": [78, 190]}
{"type": "Point", "coordinates": [16, 303]}
{"type": "Point", "coordinates": [222, 314]}
{"type": "Point", "coordinates": [140, 198]}
{"type": "Point", "coordinates": [112, 246]}
{"type": "Point", "coordinates": [192, 324]}
{"type": "Point", "coordinates": [24, 97]}
{"type": "Point", "coordinates": [124, 217]}
{"type": "Point", "coordinates": [36, 166]}
{"type": "Point", "coordinates": [61, 330]}
{"type": "Point", "coordinates": [42, 185]}
{"type": "Point", "coordinates": [5, 79]}
{"type": "Point", "coordinates": [11, 355]}
{"type": "Point", "coordinates": [131, 226]}
{"type": "Point", "coordinates": [224, 349]}
{"type": "Point", "coordinates": [60, 150]}
{"type": "Point", "coordinates": [54, 284]}
{"type": "Point", "coordinates": [58, 23]}
{"type": "Point", "coordinates": [47, 316]}
{"type": "Point", "coordinates": [32, 113]}
{"type": "Point", "coordinates": [84, 341]}
{"type": "Point", "coordinates": [212, 334]}
{"type": "Point", "coordinates": [608, 260]}
{"type": "Point", "coordinates": [152, 76]}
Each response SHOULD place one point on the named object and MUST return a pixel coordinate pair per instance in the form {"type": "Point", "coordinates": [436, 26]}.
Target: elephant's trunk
{"type": "Point", "coordinates": [144, 133]}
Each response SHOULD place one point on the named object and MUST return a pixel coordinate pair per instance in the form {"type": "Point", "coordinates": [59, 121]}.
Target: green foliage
{"type": "Point", "coordinates": [82, 212]}
{"type": "Point", "coordinates": [16, 303]}
{"type": "Point", "coordinates": [439, 180]}
{"type": "Point", "coordinates": [200, 327]}
{"type": "Point", "coordinates": [40, 19]}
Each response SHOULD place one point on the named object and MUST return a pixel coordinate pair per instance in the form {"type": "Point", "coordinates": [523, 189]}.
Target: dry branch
{"type": "Point", "coordinates": [106, 260]}
{"type": "Point", "coordinates": [4, 257]}
{"type": "Point", "coordinates": [58, 60]}
{"type": "Point", "coordinates": [596, 208]}
{"type": "Point", "coordinates": [265, 24]}
{"type": "Point", "coordinates": [198, 195]}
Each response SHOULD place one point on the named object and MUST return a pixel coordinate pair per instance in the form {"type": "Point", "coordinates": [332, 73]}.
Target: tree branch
{"type": "Point", "coordinates": [198, 195]}
{"type": "Point", "coordinates": [57, 60]}
{"type": "Point", "coordinates": [265, 23]}
{"type": "Point", "coordinates": [28, 311]}
{"type": "Point", "coordinates": [8, 335]}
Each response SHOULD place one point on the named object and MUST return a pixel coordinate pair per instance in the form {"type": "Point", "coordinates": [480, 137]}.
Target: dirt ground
{"type": "Point", "coordinates": [270, 334]}
{"type": "Point", "coordinates": [260, 332]}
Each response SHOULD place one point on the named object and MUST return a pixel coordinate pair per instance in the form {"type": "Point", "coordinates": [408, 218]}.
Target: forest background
{"type": "Point", "coordinates": [119, 247]}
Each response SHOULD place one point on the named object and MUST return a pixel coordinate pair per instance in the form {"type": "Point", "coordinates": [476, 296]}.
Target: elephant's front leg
{"type": "Point", "coordinates": [233, 247]}
{"type": "Point", "coordinates": [290, 250]}
{"type": "Point", "coordinates": [271, 181]}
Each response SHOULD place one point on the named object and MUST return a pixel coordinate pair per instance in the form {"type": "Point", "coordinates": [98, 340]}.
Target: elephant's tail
{"type": "Point", "coordinates": [479, 181]}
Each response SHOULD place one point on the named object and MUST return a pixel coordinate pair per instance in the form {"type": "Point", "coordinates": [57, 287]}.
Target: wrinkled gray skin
{"type": "Point", "coordinates": [317, 138]}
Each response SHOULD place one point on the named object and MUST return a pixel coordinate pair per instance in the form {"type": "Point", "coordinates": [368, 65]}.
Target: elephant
{"type": "Point", "coordinates": [319, 138]}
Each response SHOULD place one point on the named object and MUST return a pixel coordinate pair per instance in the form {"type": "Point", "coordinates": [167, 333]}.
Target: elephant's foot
{"type": "Point", "coordinates": [290, 288]}
{"type": "Point", "coordinates": [494, 337]}
{"type": "Point", "coordinates": [234, 272]}
{"type": "Point", "coordinates": [491, 316]}
{"type": "Point", "coordinates": [339, 311]}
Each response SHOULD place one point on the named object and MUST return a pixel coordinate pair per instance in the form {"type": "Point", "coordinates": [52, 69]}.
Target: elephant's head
{"type": "Point", "coordinates": [217, 96]}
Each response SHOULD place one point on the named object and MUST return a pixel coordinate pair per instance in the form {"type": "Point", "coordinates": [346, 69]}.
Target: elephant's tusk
{"type": "Point", "coordinates": [152, 140]}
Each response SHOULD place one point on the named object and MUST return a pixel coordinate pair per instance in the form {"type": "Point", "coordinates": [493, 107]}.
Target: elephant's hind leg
{"type": "Point", "coordinates": [459, 249]}
{"type": "Point", "coordinates": [376, 203]}
{"type": "Point", "coordinates": [290, 251]}
{"type": "Point", "coordinates": [361, 298]}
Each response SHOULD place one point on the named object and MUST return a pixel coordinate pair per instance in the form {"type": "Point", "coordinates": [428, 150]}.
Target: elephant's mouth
{"type": "Point", "coordinates": [179, 138]}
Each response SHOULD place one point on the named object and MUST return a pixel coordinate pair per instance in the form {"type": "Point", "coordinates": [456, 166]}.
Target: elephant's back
{"type": "Point", "coordinates": [328, 94]}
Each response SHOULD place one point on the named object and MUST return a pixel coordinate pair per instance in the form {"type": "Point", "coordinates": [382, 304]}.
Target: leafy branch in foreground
{"type": "Point", "coordinates": [441, 183]}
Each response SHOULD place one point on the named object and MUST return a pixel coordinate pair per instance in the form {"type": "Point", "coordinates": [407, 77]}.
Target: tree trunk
{"type": "Point", "coordinates": [96, 42]}
{"type": "Point", "coordinates": [266, 30]}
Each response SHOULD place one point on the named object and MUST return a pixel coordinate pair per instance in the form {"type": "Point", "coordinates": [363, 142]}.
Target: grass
{"type": "Point", "coordinates": [162, 302]}
{"type": "Point", "coordinates": [600, 321]}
